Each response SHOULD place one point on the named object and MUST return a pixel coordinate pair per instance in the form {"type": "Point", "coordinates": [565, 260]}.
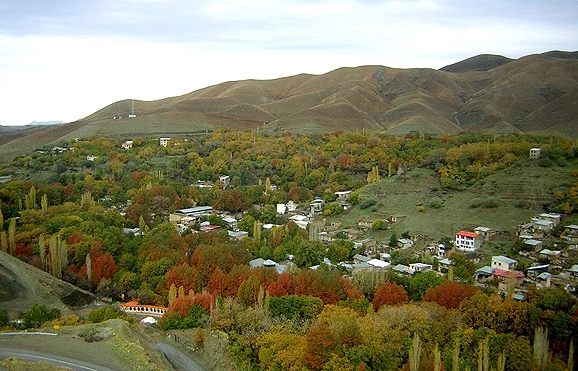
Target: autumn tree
{"type": "Point", "coordinates": [320, 344]}
{"type": "Point", "coordinates": [450, 294]}
{"type": "Point", "coordinates": [391, 294]}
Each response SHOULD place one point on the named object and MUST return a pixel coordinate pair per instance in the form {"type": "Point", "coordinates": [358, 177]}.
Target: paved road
{"type": "Point", "coordinates": [179, 360]}
{"type": "Point", "coordinates": [52, 359]}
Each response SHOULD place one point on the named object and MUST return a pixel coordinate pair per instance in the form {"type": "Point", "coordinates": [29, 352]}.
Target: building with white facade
{"type": "Point", "coordinates": [468, 241]}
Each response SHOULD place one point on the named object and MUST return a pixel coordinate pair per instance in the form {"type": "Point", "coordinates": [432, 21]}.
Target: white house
{"type": "Point", "coordinates": [503, 262]}
{"type": "Point", "coordinates": [535, 152]}
{"type": "Point", "coordinates": [468, 241]}
{"type": "Point", "coordinates": [164, 141]}
{"type": "Point", "coordinates": [419, 267]}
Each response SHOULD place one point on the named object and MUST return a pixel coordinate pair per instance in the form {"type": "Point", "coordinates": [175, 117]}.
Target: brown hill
{"type": "Point", "coordinates": [22, 285]}
{"type": "Point", "coordinates": [487, 93]}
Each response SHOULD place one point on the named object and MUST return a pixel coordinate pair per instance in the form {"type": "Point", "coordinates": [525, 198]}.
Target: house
{"type": "Point", "coordinates": [555, 218]}
{"type": "Point", "coordinates": [503, 262]}
{"type": "Point", "coordinates": [343, 195]}
{"type": "Point", "coordinates": [535, 152]}
{"type": "Point", "coordinates": [378, 263]}
{"type": "Point", "coordinates": [532, 243]}
{"type": "Point", "coordinates": [194, 212]}
{"type": "Point", "coordinates": [402, 269]}
{"type": "Point", "coordinates": [91, 158]}
{"type": "Point", "coordinates": [316, 206]}
{"type": "Point", "coordinates": [164, 141]}
{"type": "Point", "coordinates": [209, 228]}
{"type": "Point", "coordinates": [544, 280]}
{"type": "Point", "coordinates": [570, 233]}
{"type": "Point", "coordinates": [230, 223]}
{"type": "Point", "coordinates": [485, 232]}
{"type": "Point", "coordinates": [573, 272]}
{"type": "Point", "coordinates": [300, 220]}
{"type": "Point", "coordinates": [127, 144]}
{"type": "Point", "coordinates": [503, 275]}
{"type": "Point", "coordinates": [444, 265]}
{"type": "Point", "coordinates": [536, 270]}
{"type": "Point", "coordinates": [541, 225]}
{"type": "Point", "coordinates": [484, 273]}
{"type": "Point", "coordinates": [281, 209]}
{"type": "Point", "coordinates": [225, 179]}
{"type": "Point", "coordinates": [404, 243]}
{"type": "Point", "coordinates": [357, 258]}
{"type": "Point", "coordinates": [419, 267]}
{"type": "Point", "coordinates": [468, 241]}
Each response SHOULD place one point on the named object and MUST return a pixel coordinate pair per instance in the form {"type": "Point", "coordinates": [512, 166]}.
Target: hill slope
{"type": "Point", "coordinates": [486, 93]}
{"type": "Point", "coordinates": [22, 285]}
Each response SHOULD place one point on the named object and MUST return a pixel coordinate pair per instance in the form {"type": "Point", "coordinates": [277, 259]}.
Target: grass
{"type": "Point", "coordinates": [500, 197]}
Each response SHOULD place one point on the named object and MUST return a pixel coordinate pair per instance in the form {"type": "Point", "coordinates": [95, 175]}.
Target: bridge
{"type": "Point", "coordinates": [133, 307]}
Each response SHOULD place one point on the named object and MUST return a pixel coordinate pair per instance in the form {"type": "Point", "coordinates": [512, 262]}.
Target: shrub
{"type": "Point", "coordinates": [3, 318]}
{"type": "Point", "coordinates": [367, 203]}
{"type": "Point", "coordinates": [436, 203]}
{"type": "Point", "coordinates": [475, 203]}
{"type": "Point", "coordinates": [379, 225]}
{"type": "Point", "coordinates": [490, 203]}
{"type": "Point", "coordinates": [104, 314]}
{"type": "Point", "coordinates": [38, 315]}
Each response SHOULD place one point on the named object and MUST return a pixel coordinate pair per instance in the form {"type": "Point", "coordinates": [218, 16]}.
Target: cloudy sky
{"type": "Point", "coordinates": [65, 59]}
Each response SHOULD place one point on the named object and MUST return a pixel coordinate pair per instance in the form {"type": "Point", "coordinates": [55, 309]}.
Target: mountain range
{"type": "Point", "coordinates": [487, 93]}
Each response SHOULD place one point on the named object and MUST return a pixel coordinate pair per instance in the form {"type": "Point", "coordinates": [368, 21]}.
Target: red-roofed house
{"type": "Point", "coordinates": [468, 241]}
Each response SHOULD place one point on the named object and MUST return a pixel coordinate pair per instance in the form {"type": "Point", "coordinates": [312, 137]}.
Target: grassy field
{"type": "Point", "coordinates": [501, 201]}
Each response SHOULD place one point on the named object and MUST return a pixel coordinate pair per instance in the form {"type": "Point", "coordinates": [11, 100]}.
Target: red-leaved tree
{"type": "Point", "coordinates": [450, 294]}
{"type": "Point", "coordinates": [391, 294]}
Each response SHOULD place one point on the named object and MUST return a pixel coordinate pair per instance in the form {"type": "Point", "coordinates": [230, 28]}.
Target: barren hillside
{"type": "Point", "coordinates": [487, 93]}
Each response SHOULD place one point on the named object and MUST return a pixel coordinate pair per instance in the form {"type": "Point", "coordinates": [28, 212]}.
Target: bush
{"type": "Point", "coordinates": [379, 225]}
{"type": "Point", "coordinates": [436, 203]}
{"type": "Point", "coordinates": [38, 315]}
{"type": "Point", "coordinates": [367, 203]}
{"type": "Point", "coordinates": [490, 203]}
{"type": "Point", "coordinates": [3, 318]}
{"type": "Point", "coordinates": [475, 203]}
{"type": "Point", "coordinates": [104, 314]}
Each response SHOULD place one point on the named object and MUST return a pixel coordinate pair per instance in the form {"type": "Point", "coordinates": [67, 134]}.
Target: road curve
{"type": "Point", "coordinates": [34, 356]}
{"type": "Point", "coordinates": [179, 360]}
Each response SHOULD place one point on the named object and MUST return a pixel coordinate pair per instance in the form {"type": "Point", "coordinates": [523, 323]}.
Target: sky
{"type": "Point", "coordinates": [65, 59]}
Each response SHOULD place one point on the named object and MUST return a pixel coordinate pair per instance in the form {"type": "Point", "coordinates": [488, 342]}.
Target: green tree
{"type": "Point", "coordinates": [38, 315]}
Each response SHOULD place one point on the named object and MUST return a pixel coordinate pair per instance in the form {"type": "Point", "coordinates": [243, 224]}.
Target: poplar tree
{"type": "Point", "coordinates": [172, 294]}
{"type": "Point", "coordinates": [415, 353]}
{"type": "Point", "coordinates": [44, 203]}
{"type": "Point", "coordinates": [42, 251]}
{"type": "Point", "coordinates": [12, 236]}
{"type": "Point", "coordinates": [540, 347]}
{"type": "Point", "coordinates": [4, 241]}
{"type": "Point", "coordinates": [88, 263]}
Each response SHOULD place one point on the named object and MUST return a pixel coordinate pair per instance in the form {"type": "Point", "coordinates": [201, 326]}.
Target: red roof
{"type": "Point", "coordinates": [136, 304]}
{"type": "Point", "coordinates": [506, 273]}
{"type": "Point", "coordinates": [467, 234]}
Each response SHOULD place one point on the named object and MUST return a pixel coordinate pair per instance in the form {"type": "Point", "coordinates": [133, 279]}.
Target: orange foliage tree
{"type": "Point", "coordinates": [391, 294]}
{"type": "Point", "coordinates": [320, 344]}
{"type": "Point", "coordinates": [184, 275]}
{"type": "Point", "coordinates": [450, 294]}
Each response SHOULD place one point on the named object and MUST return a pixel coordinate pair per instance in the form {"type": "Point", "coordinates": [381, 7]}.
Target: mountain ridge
{"type": "Point", "coordinates": [485, 93]}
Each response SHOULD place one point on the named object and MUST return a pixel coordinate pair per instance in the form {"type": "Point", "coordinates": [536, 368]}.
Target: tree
{"type": "Point", "coordinates": [38, 315]}
{"type": "Point", "coordinates": [249, 291]}
{"type": "Point", "coordinates": [320, 344]}
{"type": "Point", "coordinates": [391, 294]}
{"type": "Point", "coordinates": [12, 236]}
{"type": "Point", "coordinates": [415, 353]}
{"type": "Point", "coordinates": [450, 294]}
